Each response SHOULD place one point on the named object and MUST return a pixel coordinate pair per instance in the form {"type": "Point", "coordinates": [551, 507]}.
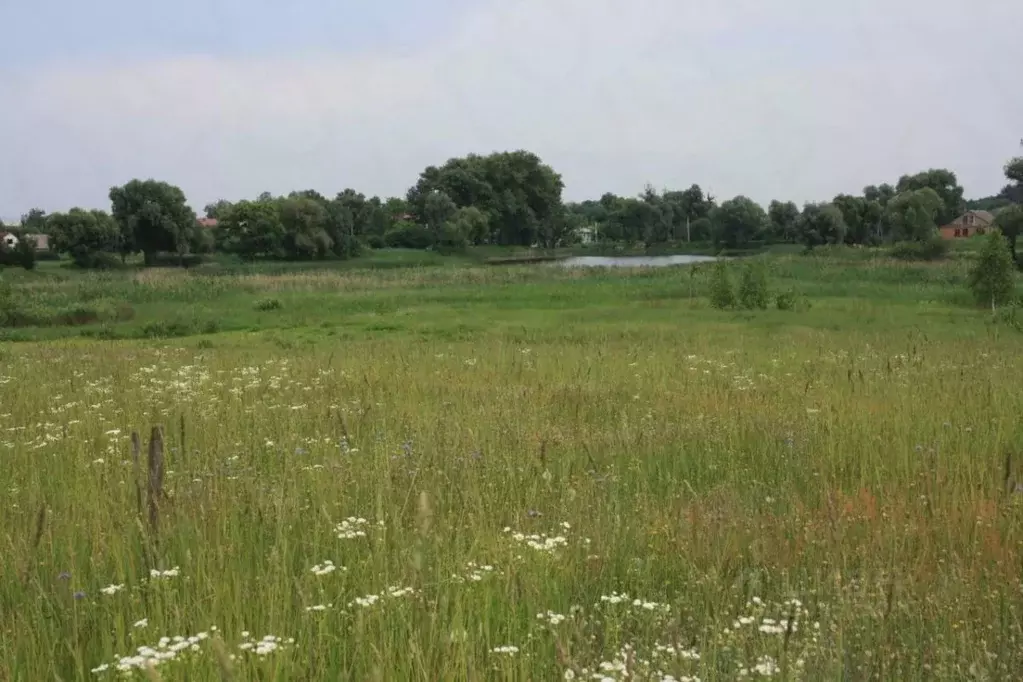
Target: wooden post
{"type": "Point", "coordinates": [136, 465]}
{"type": "Point", "coordinates": [155, 475]}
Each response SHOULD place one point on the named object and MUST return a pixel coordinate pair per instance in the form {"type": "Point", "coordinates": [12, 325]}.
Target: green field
{"type": "Point", "coordinates": [412, 467]}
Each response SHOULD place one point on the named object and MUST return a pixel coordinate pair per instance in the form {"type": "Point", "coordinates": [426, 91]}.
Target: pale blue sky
{"type": "Point", "coordinates": [55, 30]}
{"type": "Point", "coordinates": [794, 99]}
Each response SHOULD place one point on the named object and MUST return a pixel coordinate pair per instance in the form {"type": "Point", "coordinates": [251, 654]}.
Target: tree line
{"type": "Point", "coordinates": [504, 198]}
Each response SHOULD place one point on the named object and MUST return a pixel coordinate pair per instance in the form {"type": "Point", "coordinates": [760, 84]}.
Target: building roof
{"type": "Point", "coordinates": [208, 222]}
{"type": "Point", "coordinates": [42, 241]}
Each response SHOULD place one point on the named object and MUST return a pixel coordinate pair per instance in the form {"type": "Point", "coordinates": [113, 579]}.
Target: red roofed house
{"type": "Point", "coordinates": [967, 225]}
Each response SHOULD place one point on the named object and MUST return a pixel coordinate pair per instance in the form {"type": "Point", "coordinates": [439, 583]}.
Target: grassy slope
{"type": "Point", "coordinates": [850, 456]}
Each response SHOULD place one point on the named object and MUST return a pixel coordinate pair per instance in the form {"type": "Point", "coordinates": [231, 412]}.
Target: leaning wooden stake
{"type": "Point", "coordinates": [155, 476]}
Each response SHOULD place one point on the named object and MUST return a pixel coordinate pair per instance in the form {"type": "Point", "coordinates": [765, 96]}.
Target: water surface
{"type": "Point", "coordinates": [633, 261]}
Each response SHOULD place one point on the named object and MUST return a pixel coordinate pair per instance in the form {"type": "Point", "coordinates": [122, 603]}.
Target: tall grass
{"type": "Point", "coordinates": [712, 500]}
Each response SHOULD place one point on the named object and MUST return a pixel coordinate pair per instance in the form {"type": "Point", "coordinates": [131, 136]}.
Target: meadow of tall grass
{"type": "Point", "coordinates": [605, 480]}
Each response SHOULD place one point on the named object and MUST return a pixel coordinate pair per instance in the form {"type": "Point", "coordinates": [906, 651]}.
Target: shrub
{"type": "Point", "coordinates": [375, 241]}
{"type": "Point", "coordinates": [95, 260]}
{"type": "Point", "coordinates": [267, 304]}
{"type": "Point", "coordinates": [409, 236]}
{"type": "Point", "coordinates": [992, 279]}
{"type": "Point", "coordinates": [25, 254]}
{"type": "Point", "coordinates": [753, 288]}
{"type": "Point", "coordinates": [786, 300]}
{"type": "Point", "coordinates": [722, 291]}
{"type": "Point", "coordinates": [1010, 316]}
{"type": "Point", "coordinates": [451, 239]}
{"type": "Point", "coordinates": [27, 314]}
{"type": "Point", "coordinates": [934, 248]}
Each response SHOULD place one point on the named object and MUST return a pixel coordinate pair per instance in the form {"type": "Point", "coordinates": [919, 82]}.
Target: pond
{"type": "Point", "coordinates": [633, 261]}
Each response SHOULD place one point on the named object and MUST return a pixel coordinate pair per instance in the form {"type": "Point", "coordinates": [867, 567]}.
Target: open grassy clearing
{"type": "Point", "coordinates": [518, 473]}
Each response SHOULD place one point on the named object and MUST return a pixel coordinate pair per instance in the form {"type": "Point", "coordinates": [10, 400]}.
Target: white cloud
{"type": "Point", "coordinates": [793, 99]}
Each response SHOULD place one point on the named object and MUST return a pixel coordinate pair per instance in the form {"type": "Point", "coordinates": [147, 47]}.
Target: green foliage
{"type": "Point", "coordinates": [304, 220]}
{"type": "Point", "coordinates": [1014, 170]}
{"type": "Point", "coordinates": [20, 312]}
{"type": "Point", "coordinates": [934, 248]}
{"type": "Point", "coordinates": [701, 229]}
{"type": "Point", "coordinates": [450, 238]}
{"type": "Point", "coordinates": [34, 222]}
{"type": "Point", "coordinates": [25, 254]}
{"type": "Point", "coordinates": [946, 188]}
{"type": "Point", "coordinates": [722, 289]}
{"type": "Point", "coordinates": [409, 236]}
{"type": "Point", "coordinates": [153, 217]}
{"type": "Point", "coordinates": [881, 194]}
{"type": "Point", "coordinates": [821, 224]}
{"type": "Point", "coordinates": [218, 209]}
{"type": "Point", "coordinates": [862, 218]}
{"type": "Point", "coordinates": [516, 190]}
{"type": "Point", "coordinates": [913, 214]}
{"type": "Point", "coordinates": [1010, 221]}
{"type": "Point", "coordinates": [1010, 315]}
{"type": "Point", "coordinates": [90, 237]}
{"type": "Point", "coordinates": [992, 278]}
{"type": "Point", "coordinates": [783, 218]}
{"type": "Point", "coordinates": [753, 288]}
{"type": "Point", "coordinates": [268, 304]}
{"type": "Point", "coordinates": [251, 229]}
{"type": "Point", "coordinates": [737, 222]}
{"type": "Point", "coordinates": [785, 300]}
{"type": "Point", "coordinates": [438, 208]}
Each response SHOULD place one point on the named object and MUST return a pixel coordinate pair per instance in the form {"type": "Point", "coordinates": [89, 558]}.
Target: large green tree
{"type": "Point", "coordinates": [305, 220]}
{"type": "Point", "coordinates": [1010, 221]}
{"type": "Point", "coordinates": [882, 193]}
{"type": "Point", "coordinates": [252, 229]}
{"type": "Point", "coordinates": [945, 184]}
{"type": "Point", "coordinates": [154, 217]}
{"type": "Point", "coordinates": [913, 215]}
{"type": "Point", "coordinates": [738, 221]}
{"type": "Point", "coordinates": [783, 217]}
{"type": "Point", "coordinates": [821, 224]}
{"type": "Point", "coordinates": [86, 236]}
{"type": "Point", "coordinates": [34, 222]}
{"type": "Point", "coordinates": [516, 190]}
{"type": "Point", "coordinates": [1014, 170]}
{"type": "Point", "coordinates": [859, 227]}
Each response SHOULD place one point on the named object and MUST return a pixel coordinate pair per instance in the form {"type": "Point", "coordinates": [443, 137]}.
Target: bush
{"type": "Point", "coordinates": [451, 239]}
{"type": "Point", "coordinates": [375, 241]}
{"type": "Point", "coordinates": [95, 260]}
{"type": "Point", "coordinates": [992, 279]}
{"type": "Point", "coordinates": [934, 248]}
{"type": "Point", "coordinates": [409, 236]}
{"type": "Point", "coordinates": [26, 314]}
{"type": "Point", "coordinates": [753, 288]}
{"type": "Point", "coordinates": [786, 300]}
{"type": "Point", "coordinates": [25, 254]}
{"type": "Point", "coordinates": [267, 304]}
{"type": "Point", "coordinates": [1010, 316]}
{"type": "Point", "coordinates": [722, 291]}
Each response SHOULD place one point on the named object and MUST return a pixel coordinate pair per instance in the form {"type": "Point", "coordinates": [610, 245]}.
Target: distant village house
{"type": "Point", "coordinates": [967, 225]}
{"type": "Point", "coordinates": [40, 241]}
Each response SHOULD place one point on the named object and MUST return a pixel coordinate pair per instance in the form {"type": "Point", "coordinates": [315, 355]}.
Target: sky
{"type": "Point", "coordinates": [790, 99]}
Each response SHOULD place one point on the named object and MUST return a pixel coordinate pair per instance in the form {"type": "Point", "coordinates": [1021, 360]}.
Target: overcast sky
{"type": "Point", "coordinates": [790, 99]}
